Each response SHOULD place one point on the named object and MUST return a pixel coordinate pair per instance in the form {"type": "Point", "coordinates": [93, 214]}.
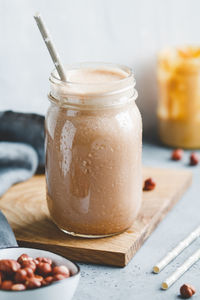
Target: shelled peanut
{"type": "Point", "coordinates": [29, 273]}
{"type": "Point", "coordinates": [177, 154]}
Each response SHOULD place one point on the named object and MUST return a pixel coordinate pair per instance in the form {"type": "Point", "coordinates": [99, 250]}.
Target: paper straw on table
{"type": "Point", "coordinates": [177, 250]}
{"type": "Point", "coordinates": [182, 269]}
{"type": "Point", "coordinates": [50, 46]}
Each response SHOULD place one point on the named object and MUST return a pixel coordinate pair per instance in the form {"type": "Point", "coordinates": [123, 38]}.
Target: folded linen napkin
{"type": "Point", "coordinates": [21, 147]}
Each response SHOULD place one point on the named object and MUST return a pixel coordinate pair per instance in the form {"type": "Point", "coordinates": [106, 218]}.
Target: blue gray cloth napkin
{"type": "Point", "coordinates": [21, 147]}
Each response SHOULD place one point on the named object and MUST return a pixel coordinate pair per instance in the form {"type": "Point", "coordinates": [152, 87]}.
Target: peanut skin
{"type": "Point", "coordinates": [57, 277]}
{"type": "Point", "coordinates": [6, 285]}
{"type": "Point", "coordinates": [1, 277]}
{"type": "Point", "coordinates": [23, 257]}
{"type": "Point", "coordinates": [29, 264]}
{"type": "Point", "coordinates": [149, 184]}
{"type": "Point", "coordinates": [187, 291]}
{"type": "Point", "coordinates": [18, 287]}
{"type": "Point", "coordinates": [47, 280]}
{"type": "Point", "coordinates": [33, 283]}
{"type": "Point", "coordinates": [44, 268]}
{"type": "Point", "coordinates": [20, 275]}
{"type": "Point", "coordinates": [63, 270]}
{"type": "Point", "coordinates": [177, 154]}
{"type": "Point", "coordinates": [23, 274]}
{"type": "Point", "coordinates": [194, 159]}
{"type": "Point", "coordinates": [44, 260]}
{"type": "Point", "coordinates": [9, 266]}
{"type": "Point", "coordinates": [38, 277]}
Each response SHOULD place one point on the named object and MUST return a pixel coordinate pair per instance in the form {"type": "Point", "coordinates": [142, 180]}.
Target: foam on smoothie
{"type": "Point", "coordinates": [95, 76]}
{"type": "Point", "coordinates": [93, 83]}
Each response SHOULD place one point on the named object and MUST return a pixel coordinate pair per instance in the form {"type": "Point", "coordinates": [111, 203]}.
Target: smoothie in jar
{"type": "Point", "coordinates": [93, 150]}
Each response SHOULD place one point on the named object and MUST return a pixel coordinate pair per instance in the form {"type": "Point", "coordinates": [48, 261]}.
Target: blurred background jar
{"type": "Point", "coordinates": [179, 97]}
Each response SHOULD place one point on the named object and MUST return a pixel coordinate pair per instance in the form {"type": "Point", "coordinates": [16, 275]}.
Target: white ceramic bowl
{"type": "Point", "coordinates": [62, 290]}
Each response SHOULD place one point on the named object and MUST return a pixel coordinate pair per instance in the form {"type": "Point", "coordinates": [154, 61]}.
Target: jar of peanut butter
{"type": "Point", "coordinates": [179, 97]}
{"type": "Point", "coordinates": [93, 150]}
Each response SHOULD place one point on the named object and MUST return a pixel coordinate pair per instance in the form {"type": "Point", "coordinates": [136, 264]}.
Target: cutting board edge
{"type": "Point", "coordinates": [88, 255]}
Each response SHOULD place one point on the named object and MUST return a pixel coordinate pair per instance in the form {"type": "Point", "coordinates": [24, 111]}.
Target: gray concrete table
{"type": "Point", "coordinates": [136, 281]}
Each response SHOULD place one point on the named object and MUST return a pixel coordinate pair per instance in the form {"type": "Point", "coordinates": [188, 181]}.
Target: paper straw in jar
{"type": "Point", "coordinates": [182, 269]}
{"type": "Point", "coordinates": [177, 250]}
{"type": "Point", "coordinates": [50, 46]}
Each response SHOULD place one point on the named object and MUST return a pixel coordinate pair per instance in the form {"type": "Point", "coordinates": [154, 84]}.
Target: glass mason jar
{"type": "Point", "coordinates": [179, 97]}
{"type": "Point", "coordinates": [93, 151]}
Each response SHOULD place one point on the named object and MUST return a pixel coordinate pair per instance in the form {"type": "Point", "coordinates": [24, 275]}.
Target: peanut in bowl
{"type": "Point", "coordinates": [62, 286]}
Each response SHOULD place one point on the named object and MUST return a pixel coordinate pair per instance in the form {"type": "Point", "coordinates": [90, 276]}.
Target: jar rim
{"type": "Point", "coordinates": [106, 93]}
{"type": "Point", "coordinates": [54, 74]}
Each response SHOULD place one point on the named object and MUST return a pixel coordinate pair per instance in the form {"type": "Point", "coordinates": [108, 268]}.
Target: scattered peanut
{"type": "Point", "coordinates": [177, 154]}
{"type": "Point", "coordinates": [187, 291]}
{"type": "Point", "coordinates": [194, 159]}
{"type": "Point", "coordinates": [149, 185]}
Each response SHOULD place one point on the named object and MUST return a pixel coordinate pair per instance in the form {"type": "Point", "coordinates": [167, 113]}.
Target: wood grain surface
{"type": "Point", "coordinates": [25, 208]}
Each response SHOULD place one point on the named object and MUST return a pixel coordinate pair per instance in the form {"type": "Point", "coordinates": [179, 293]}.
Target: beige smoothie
{"type": "Point", "coordinates": [93, 152]}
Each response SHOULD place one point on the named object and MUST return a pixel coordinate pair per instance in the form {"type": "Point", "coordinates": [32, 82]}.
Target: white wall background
{"type": "Point", "coordinates": [121, 31]}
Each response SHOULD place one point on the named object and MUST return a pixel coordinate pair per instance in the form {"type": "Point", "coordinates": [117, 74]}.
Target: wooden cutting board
{"type": "Point", "coordinates": [25, 207]}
